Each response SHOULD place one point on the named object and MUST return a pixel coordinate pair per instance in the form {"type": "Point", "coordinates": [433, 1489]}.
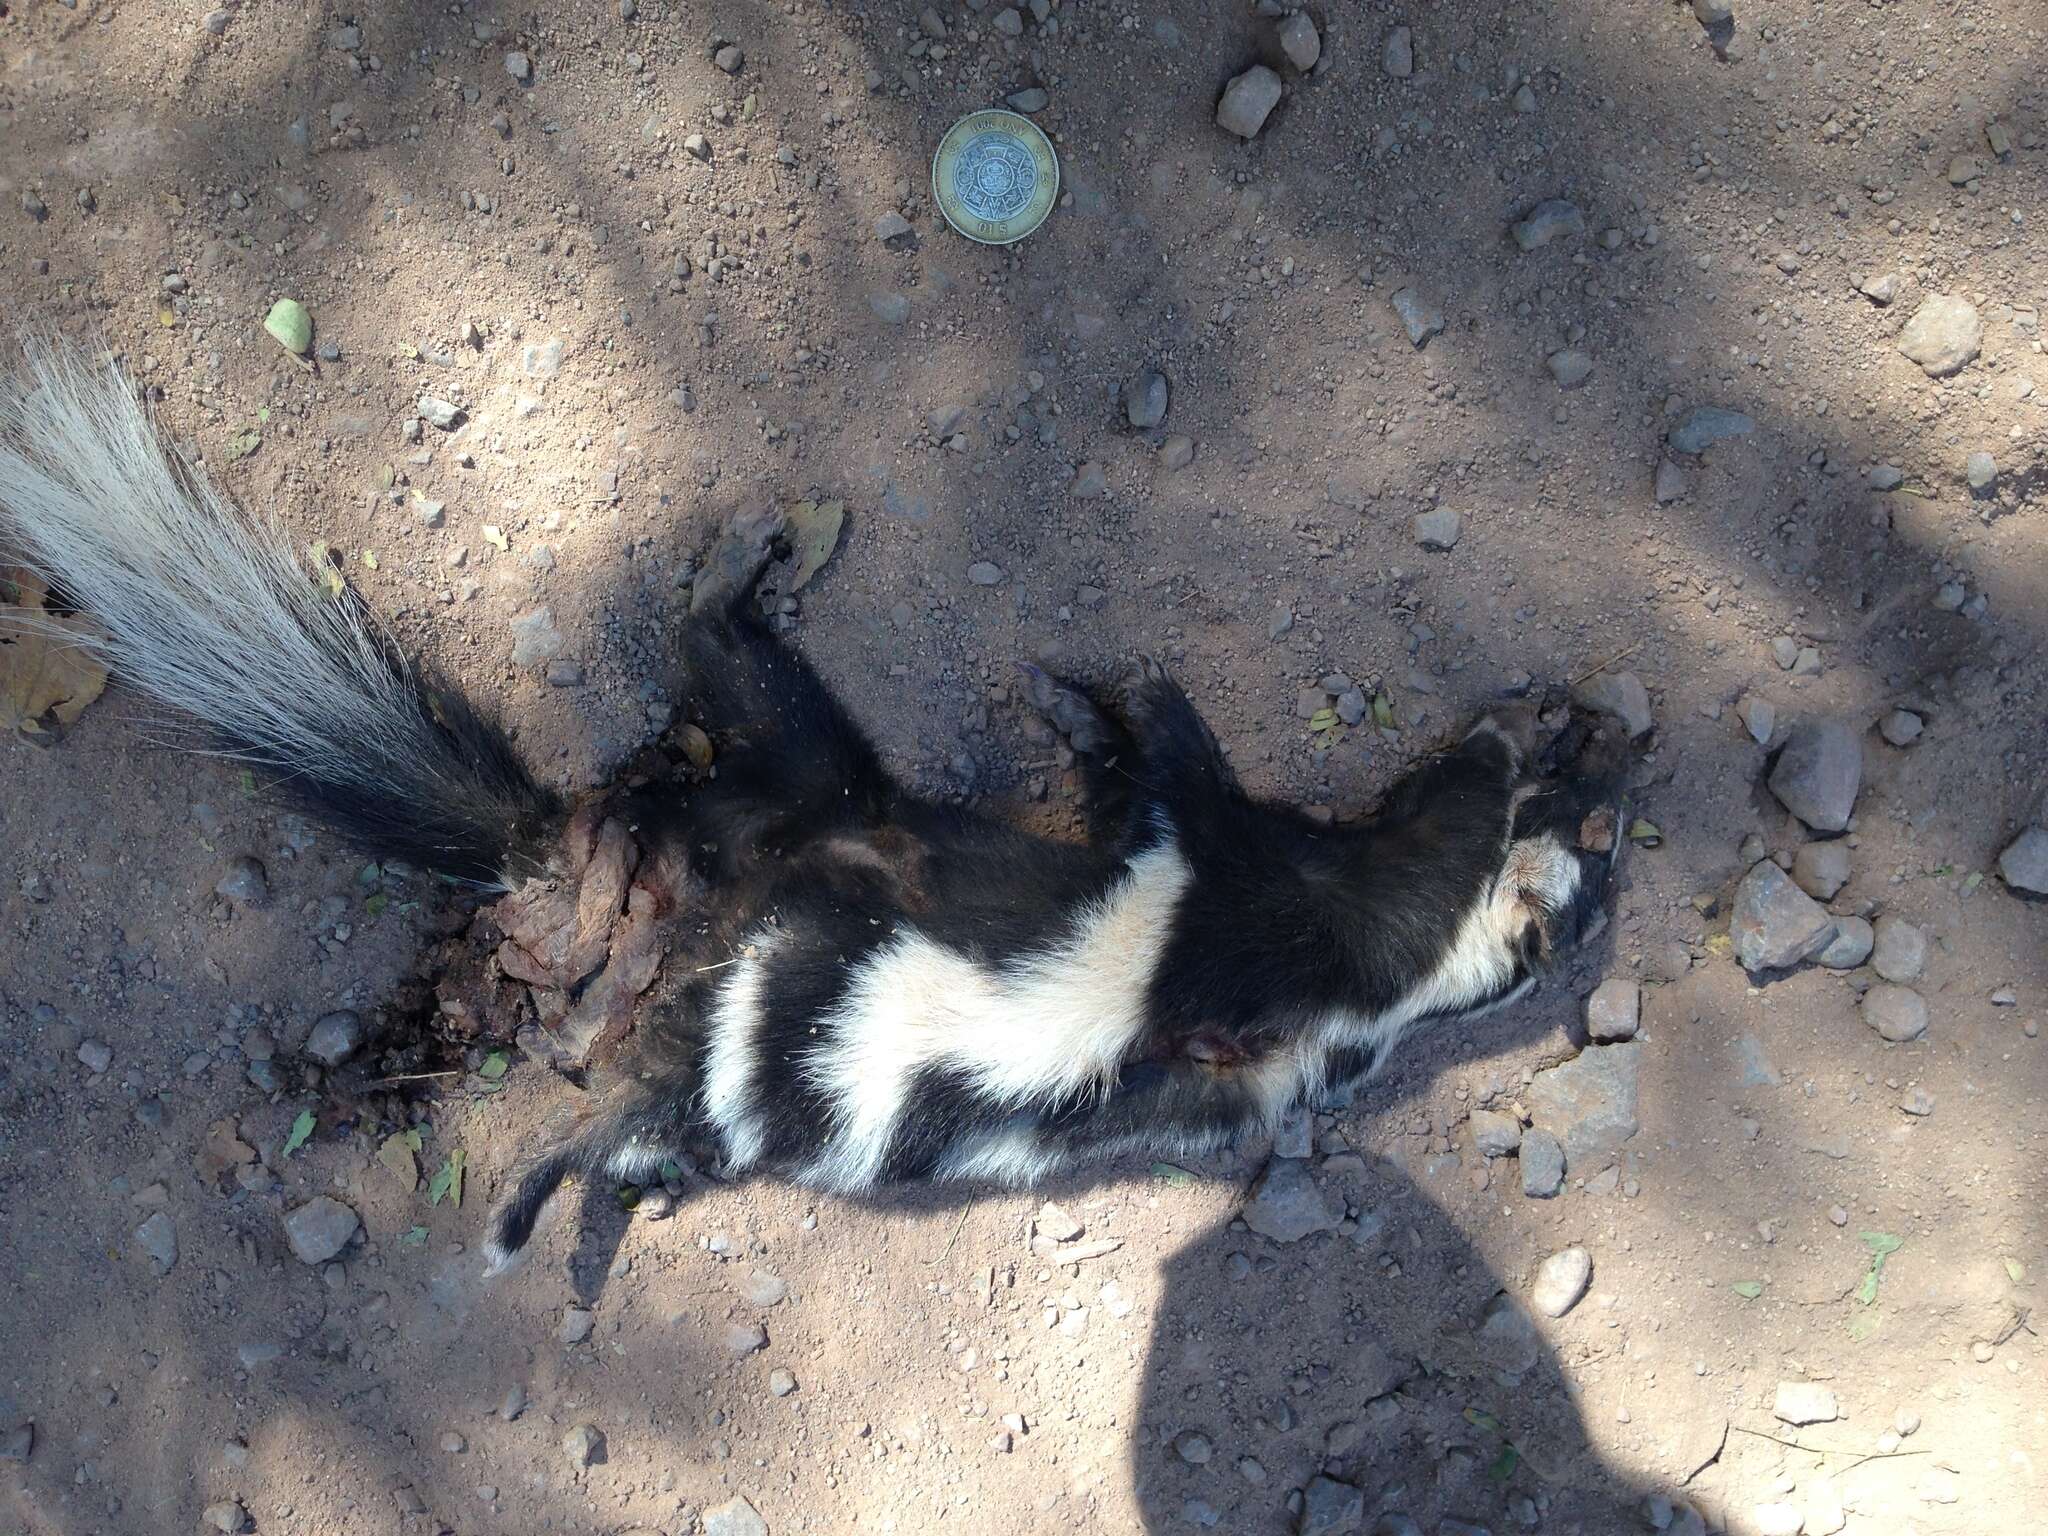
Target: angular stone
{"type": "Point", "coordinates": [1819, 772]}
{"type": "Point", "coordinates": [735, 1517]}
{"type": "Point", "coordinates": [1670, 484]}
{"type": "Point", "coordinates": [1707, 425]}
{"type": "Point", "coordinates": [1330, 1508]}
{"type": "Point", "coordinates": [1805, 1402]}
{"type": "Point", "coordinates": [1821, 869]}
{"type": "Point", "coordinates": [320, 1229]}
{"type": "Point", "coordinates": [1570, 368]}
{"type": "Point", "coordinates": [1247, 102]}
{"type": "Point", "coordinates": [1902, 727]}
{"type": "Point", "coordinates": [1145, 400]}
{"type": "Point", "coordinates": [1896, 1013]}
{"type": "Point", "coordinates": [1300, 41]}
{"type": "Point", "coordinates": [2024, 864]}
{"type": "Point", "coordinates": [1542, 1164]}
{"type": "Point", "coordinates": [1614, 1009]}
{"type": "Point", "coordinates": [335, 1037]}
{"type": "Point", "coordinates": [1285, 1204]}
{"type": "Point", "coordinates": [1775, 924]}
{"type": "Point", "coordinates": [1620, 694]}
{"type": "Point", "coordinates": [1546, 222]}
{"type": "Point", "coordinates": [1561, 1281]}
{"type": "Point", "coordinates": [1589, 1103]}
{"type": "Point", "coordinates": [157, 1238]}
{"type": "Point", "coordinates": [1495, 1134]}
{"type": "Point", "coordinates": [1944, 335]}
{"type": "Point", "coordinates": [1759, 718]}
{"type": "Point", "coordinates": [1419, 318]}
{"type": "Point", "coordinates": [1850, 946]}
{"type": "Point", "coordinates": [1899, 951]}
{"type": "Point", "coordinates": [583, 1445]}
{"type": "Point", "coordinates": [1439, 529]}
{"type": "Point", "coordinates": [1398, 57]}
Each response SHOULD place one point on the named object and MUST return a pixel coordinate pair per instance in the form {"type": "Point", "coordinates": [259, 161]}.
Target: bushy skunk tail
{"type": "Point", "coordinates": [212, 615]}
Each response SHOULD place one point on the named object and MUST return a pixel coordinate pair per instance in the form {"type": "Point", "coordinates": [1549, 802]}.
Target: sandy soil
{"type": "Point", "coordinates": [645, 340]}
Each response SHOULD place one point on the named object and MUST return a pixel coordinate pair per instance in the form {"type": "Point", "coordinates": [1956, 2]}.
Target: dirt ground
{"type": "Point", "coordinates": [646, 335]}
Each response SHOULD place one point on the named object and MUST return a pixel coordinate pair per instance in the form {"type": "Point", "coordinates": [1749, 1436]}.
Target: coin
{"type": "Point", "coordinates": [995, 177]}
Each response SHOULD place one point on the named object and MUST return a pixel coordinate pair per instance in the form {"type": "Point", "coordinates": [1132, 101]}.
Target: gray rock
{"type": "Point", "coordinates": [1439, 529]}
{"type": "Point", "coordinates": [1547, 221]}
{"type": "Point", "coordinates": [1009, 21]}
{"type": "Point", "coordinates": [583, 1445]}
{"type": "Point", "coordinates": [1620, 694]}
{"type": "Point", "coordinates": [696, 146]}
{"type": "Point", "coordinates": [1030, 99]}
{"type": "Point", "coordinates": [1670, 484]}
{"type": "Point", "coordinates": [1194, 1447]}
{"type": "Point", "coordinates": [244, 884]}
{"type": "Point", "coordinates": [1821, 869]}
{"type": "Point", "coordinates": [1145, 400]}
{"type": "Point", "coordinates": [1300, 42]}
{"type": "Point", "coordinates": [889, 308]}
{"type": "Point", "coordinates": [1397, 58]}
{"type": "Point", "coordinates": [1713, 13]}
{"type": "Point", "coordinates": [534, 637]}
{"type": "Point", "coordinates": [1886, 477]}
{"type": "Point", "coordinates": [543, 359]}
{"type": "Point", "coordinates": [1944, 335]}
{"type": "Point", "coordinates": [1897, 1013]}
{"type": "Point", "coordinates": [1328, 1507]}
{"type": "Point", "coordinates": [519, 66]}
{"type": "Point", "coordinates": [1901, 727]}
{"type": "Point", "coordinates": [95, 1056]}
{"type": "Point", "coordinates": [1524, 102]}
{"type": "Point", "coordinates": [1900, 950]}
{"type": "Point", "coordinates": [743, 1339]}
{"type": "Point", "coordinates": [781, 1383]}
{"type": "Point", "coordinates": [1757, 1071]}
{"type": "Point", "coordinates": [1507, 1336]}
{"type": "Point", "coordinates": [1420, 318]}
{"type": "Point", "coordinates": [1850, 946]}
{"type": "Point", "coordinates": [1294, 1137]}
{"type": "Point", "coordinates": [1614, 1010]}
{"type": "Point", "coordinates": [1918, 1102]}
{"type": "Point", "coordinates": [1589, 1103]}
{"type": "Point", "coordinates": [1089, 482]}
{"type": "Point", "coordinates": [335, 1037]}
{"type": "Point", "coordinates": [1819, 772]}
{"type": "Point", "coordinates": [2024, 864]}
{"type": "Point", "coordinates": [1560, 1282]}
{"type": "Point", "coordinates": [576, 1325]}
{"type": "Point", "coordinates": [1707, 425]}
{"type": "Point", "coordinates": [1775, 924]}
{"type": "Point", "coordinates": [1570, 368]}
{"type": "Point", "coordinates": [1880, 288]}
{"type": "Point", "coordinates": [1285, 1204]}
{"type": "Point", "coordinates": [158, 1239]}
{"type": "Point", "coordinates": [437, 412]}
{"type": "Point", "coordinates": [729, 59]}
{"type": "Point", "coordinates": [1542, 1164]}
{"type": "Point", "coordinates": [984, 573]}
{"type": "Point", "coordinates": [226, 1516]}
{"type": "Point", "coordinates": [1176, 453]}
{"type": "Point", "coordinates": [1248, 101]}
{"type": "Point", "coordinates": [1759, 717]}
{"type": "Point", "coordinates": [1495, 1134]}
{"type": "Point", "coordinates": [320, 1229]}
{"type": "Point", "coordinates": [892, 226]}
{"type": "Point", "coordinates": [1805, 1402]}
{"type": "Point", "coordinates": [763, 1288]}
{"type": "Point", "coordinates": [1784, 651]}
{"type": "Point", "coordinates": [1981, 470]}
{"type": "Point", "coordinates": [735, 1517]}
{"type": "Point", "coordinates": [18, 1443]}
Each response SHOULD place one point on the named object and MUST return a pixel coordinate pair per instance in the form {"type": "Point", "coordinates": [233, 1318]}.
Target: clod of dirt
{"type": "Point", "coordinates": [1900, 949]}
{"type": "Point", "coordinates": [1707, 425]}
{"type": "Point", "coordinates": [1821, 869]}
{"type": "Point", "coordinates": [335, 1037]}
{"type": "Point", "coordinates": [1397, 58]}
{"type": "Point", "coordinates": [1494, 1133]}
{"type": "Point", "coordinates": [1805, 1402]}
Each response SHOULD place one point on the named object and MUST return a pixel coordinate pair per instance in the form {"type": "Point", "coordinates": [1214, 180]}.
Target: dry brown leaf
{"type": "Point", "coordinates": [46, 673]}
{"type": "Point", "coordinates": [813, 535]}
{"type": "Point", "coordinates": [696, 746]}
{"type": "Point", "coordinates": [222, 1151]}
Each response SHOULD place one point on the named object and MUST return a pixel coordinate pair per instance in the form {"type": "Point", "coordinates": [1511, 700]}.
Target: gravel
{"type": "Point", "coordinates": [1420, 318]}
{"type": "Point", "coordinates": [1561, 1281]}
{"type": "Point", "coordinates": [320, 1229]}
{"type": "Point", "coordinates": [1819, 772]}
{"type": "Point", "coordinates": [1613, 1011]}
{"type": "Point", "coordinates": [1775, 924]}
{"type": "Point", "coordinates": [1542, 1164]}
{"type": "Point", "coordinates": [1900, 950]}
{"type": "Point", "coordinates": [1897, 1013]}
{"type": "Point", "coordinates": [1030, 99]}
{"type": "Point", "coordinates": [1248, 101]}
{"type": "Point", "coordinates": [1944, 335]}
{"type": "Point", "coordinates": [1285, 1204]}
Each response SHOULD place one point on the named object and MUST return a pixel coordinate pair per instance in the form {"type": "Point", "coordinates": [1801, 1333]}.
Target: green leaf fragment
{"type": "Point", "coordinates": [1882, 1245]}
{"type": "Point", "coordinates": [2014, 1272]}
{"type": "Point", "coordinates": [813, 535]}
{"type": "Point", "coordinates": [671, 1171]}
{"type": "Point", "coordinates": [1167, 1173]}
{"type": "Point", "coordinates": [1322, 720]}
{"type": "Point", "coordinates": [628, 1196]}
{"type": "Point", "coordinates": [1383, 711]}
{"type": "Point", "coordinates": [447, 1181]}
{"type": "Point", "coordinates": [1748, 1290]}
{"type": "Point", "coordinates": [412, 1237]}
{"type": "Point", "coordinates": [290, 325]}
{"type": "Point", "coordinates": [1504, 1464]}
{"type": "Point", "coordinates": [301, 1129]}
{"type": "Point", "coordinates": [1479, 1418]}
{"type": "Point", "coordinates": [494, 1066]}
{"type": "Point", "coordinates": [244, 443]}
{"type": "Point", "coordinates": [1647, 834]}
{"type": "Point", "coordinates": [395, 1152]}
{"type": "Point", "coordinates": [376, 903]}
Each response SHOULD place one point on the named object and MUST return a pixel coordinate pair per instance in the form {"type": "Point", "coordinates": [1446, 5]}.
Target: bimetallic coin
{"type": "Point", "coordinates": [995, 177]}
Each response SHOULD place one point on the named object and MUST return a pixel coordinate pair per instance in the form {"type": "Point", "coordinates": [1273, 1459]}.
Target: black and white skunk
{"type": "Point", "coordinates": [860, 986]}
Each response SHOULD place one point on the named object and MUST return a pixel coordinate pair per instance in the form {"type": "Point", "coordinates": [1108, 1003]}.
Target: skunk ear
{"type": "Point", "coordinates": [1530, 948]}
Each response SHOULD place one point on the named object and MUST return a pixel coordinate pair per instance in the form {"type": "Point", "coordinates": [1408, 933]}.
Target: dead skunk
{"type": "Point", "coordinates": [811, 971]}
